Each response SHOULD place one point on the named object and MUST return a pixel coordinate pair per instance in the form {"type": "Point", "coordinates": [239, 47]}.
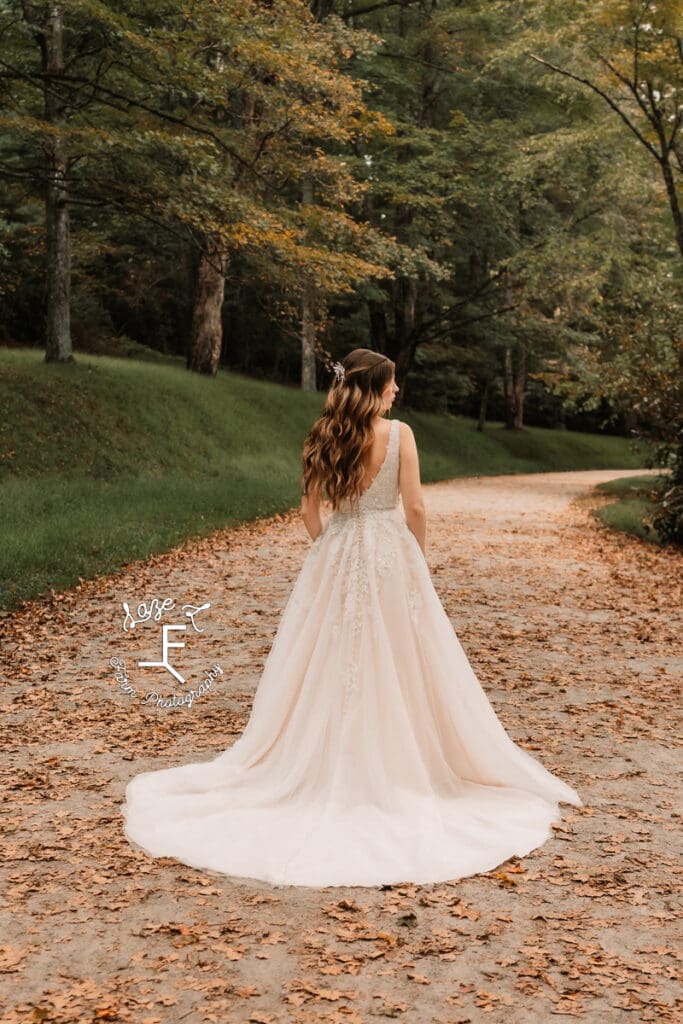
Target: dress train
{"type": "Point", "coordinates": [372, 754]}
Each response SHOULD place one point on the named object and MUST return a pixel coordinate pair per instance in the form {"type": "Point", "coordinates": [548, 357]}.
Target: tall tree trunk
{"type": "Point", "coordinates": [520, 390]}
{"type": "Point", "coordinates": [404, 344]}
{"type": "Point", "coordinates": [514, 386]}
{"type": "Point", "coordinates": [406, 300]}
{"type": "Point", "coordinates": [378, 325]}
{"type": "Point", "coordinates": [508, 388]}
{"type": "Point", "coordinates": [308, 339]}
{"type": "Point", "coordinates": [483, 403]}
{"type": "Point", "coordinates": [308, 312]}
{"type": "Point", "coordinates": [206, 335]}
{"type": "Point", "coordinates": [58, 345]}
{"type": "Point", "coordinates": [674, 205]}
{"type": "Point", "coordinates": [187, 270]}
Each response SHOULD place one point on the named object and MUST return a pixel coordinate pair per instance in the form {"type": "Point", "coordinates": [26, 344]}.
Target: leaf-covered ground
{"type": "Point", "coordinates": [575, 634]}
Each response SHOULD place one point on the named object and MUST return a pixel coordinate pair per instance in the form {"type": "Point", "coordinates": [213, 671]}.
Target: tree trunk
{"type": "Point", "coordinates": [186, 265]}
{"type": "Point", "coordinates": [406, 300]}
{"type": "Point", "coordinates": [520, 388]}
{"type": "Point", "coordinates": [514, 386]}
{"type": "Point", "coordinates": [483, 403]}
{"type": "Point", "coordinates": [58, 345]}
{"type": "Point", "coordinates": [206, 335]}
{"type": "Point", "coordinates": [404, 343]}
{"type": "Point", "coordinates": [674, 205]}
{"type": "Point", "coordinates": [378, 325]}
{"type": "Point", "coordinates": [508, 388]}
{"type": "Point", "coordinates": [308, 339]}
{"type": "Point", "coordinates": [308, 312]}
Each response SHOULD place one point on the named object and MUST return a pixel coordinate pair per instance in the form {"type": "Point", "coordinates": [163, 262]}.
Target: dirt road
{"type": "Point", "coordinates": [574, 635]}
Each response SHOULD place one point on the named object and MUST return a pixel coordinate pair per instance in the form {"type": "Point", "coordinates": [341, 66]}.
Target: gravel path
{"type": "Point", "coordinates": [575, 634]}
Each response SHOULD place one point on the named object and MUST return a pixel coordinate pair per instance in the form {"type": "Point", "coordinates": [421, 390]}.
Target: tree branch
{"type": "Point", "coordinates": [113, 99]}
{"type": "Point", "coordinates": [376, 6]}
{"type": "Point", "coordinates": [632, 86]}
{"type": "Point", "coordinates": [452, 310]}
{"type": "Point", "coordinates": [469, 320]}
{"type": "Point", "coordinates": [608, 99]}
{"type": "Point", "coordinates": [417, 60]}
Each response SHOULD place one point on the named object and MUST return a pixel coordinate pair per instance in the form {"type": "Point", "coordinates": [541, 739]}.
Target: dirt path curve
{"type": "Point", "coordinates": [573, 633]}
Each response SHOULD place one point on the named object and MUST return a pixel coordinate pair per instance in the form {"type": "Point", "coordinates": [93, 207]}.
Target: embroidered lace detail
{"type": "Point", "coordinates": [366, 535]}
{"type": "Point", "coordinates": [383, 491]}
{"type": "Point", "coordinates": [415, 603]}
{"type": "Point", "coordinates": [355, 597]}
{"type": "Point", "coordinates": [385, 551]}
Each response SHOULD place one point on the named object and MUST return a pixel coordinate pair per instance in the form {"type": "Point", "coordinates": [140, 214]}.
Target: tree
{"type": "Point", "coordinates": [199, 119]}
{"type": "Point", "coordinates": [630, 54]}
{"type": "Point", "coordinates": [482, 182]}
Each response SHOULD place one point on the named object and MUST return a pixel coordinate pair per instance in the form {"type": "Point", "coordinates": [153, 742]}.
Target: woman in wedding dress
{"type": "Point", "coordinates": [372, 754]}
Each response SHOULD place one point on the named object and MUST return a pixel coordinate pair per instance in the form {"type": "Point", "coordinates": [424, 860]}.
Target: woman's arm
{"type": "Point", "coordinates": [310, 513]}
{"type": "Point", "coordinates": [409, 485]}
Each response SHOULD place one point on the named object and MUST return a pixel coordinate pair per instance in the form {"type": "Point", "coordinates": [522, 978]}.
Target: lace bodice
{"type": "Point", "coordinates": [383, 491]}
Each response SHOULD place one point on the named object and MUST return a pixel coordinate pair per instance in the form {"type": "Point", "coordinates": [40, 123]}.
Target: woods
{"type": "Point", "coordinates": [487, 193]}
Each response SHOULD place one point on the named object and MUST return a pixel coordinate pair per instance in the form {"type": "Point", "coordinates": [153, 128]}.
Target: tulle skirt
{"type": "Point", "coordinates": [372, 754]}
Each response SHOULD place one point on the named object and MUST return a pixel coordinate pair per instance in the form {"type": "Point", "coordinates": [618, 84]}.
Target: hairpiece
{"type": "Point", "coordinates": [339, 372]}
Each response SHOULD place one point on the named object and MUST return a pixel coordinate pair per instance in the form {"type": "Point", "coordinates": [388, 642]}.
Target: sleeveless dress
{"type": "Point", "coordinates": [372, 754]}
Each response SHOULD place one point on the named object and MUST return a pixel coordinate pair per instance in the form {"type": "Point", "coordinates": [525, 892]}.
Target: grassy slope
{"type": "Point", "coordinates": [633, 508]}
{"type": "Point", "coordinates": [110, 460]}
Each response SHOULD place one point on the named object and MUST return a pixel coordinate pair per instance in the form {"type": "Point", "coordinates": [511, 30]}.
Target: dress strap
{"type": "Point", "coordinates": [394, 427]}
{"type": "Point", "coordinates": [394, 442]}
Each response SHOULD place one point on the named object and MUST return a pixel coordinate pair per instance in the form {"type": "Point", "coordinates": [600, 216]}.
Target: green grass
{"type": "Point", "coordinates": [634, 507]}
{"type": "Point", "coordinates": [112, 459]}
{"type": "Point", "coordinates": [630, 486]}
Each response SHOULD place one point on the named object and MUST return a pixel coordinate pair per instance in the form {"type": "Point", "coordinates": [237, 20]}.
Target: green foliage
{"type": "Point", "coordinates": [520, 184]}
{"type": "Point", "coordinates": [469, 203]}
{"type": "Point", "coordinates": [668, 518]}
{"type": "Point", "coordinates": [204, 120]}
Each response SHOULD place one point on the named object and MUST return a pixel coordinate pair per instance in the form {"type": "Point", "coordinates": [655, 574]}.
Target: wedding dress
{"type": "Point", "coordinates": [372, 754]}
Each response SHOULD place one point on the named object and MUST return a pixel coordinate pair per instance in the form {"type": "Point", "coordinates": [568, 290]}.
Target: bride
{"type": "Point", "coordinates": [372, 754]}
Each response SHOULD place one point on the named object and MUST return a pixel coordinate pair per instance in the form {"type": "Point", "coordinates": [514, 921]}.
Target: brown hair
{"type": "Point", "coordinates": [340, 437]}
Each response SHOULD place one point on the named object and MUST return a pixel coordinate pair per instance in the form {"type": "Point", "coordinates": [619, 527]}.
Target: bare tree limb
{"type": "Point", "coordinates": [608, 99]}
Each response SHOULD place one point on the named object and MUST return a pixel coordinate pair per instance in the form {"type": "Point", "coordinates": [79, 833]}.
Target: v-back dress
{"type": "Point", "coordinates": [372, 754]}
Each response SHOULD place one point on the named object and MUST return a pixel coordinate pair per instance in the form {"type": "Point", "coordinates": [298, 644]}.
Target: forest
{"type": "Point", "coordinates": [487, 192]}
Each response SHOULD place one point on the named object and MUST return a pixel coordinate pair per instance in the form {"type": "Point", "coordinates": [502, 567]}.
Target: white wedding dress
{"type": "Point", "coordinates": [372, 754]}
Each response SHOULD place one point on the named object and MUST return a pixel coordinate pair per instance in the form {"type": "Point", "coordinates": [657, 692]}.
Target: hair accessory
{"type": "Point", "coordinates": [339, 372]}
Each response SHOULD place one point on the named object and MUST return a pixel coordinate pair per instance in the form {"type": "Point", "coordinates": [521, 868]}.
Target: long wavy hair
{"type": "Point", "coordinates": [342, 435]}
